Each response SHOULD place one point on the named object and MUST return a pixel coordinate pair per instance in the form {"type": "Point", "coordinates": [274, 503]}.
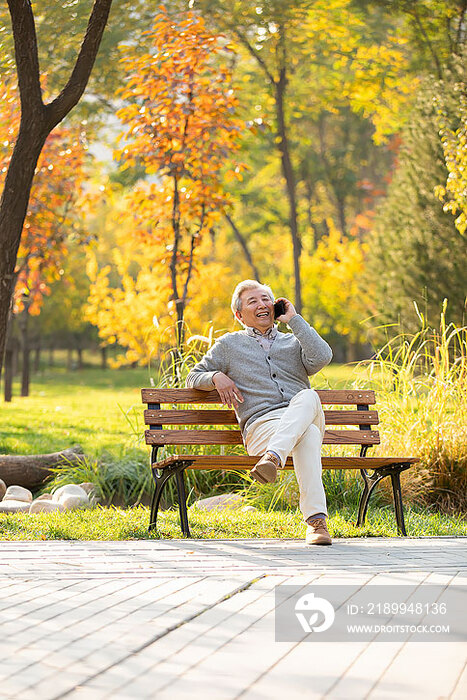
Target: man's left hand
{"type": "Point", "coordinates": [289, 310]}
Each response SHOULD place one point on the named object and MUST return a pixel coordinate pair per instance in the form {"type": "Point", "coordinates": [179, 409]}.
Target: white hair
{"type": "Point", "coordinates": [241, 287]}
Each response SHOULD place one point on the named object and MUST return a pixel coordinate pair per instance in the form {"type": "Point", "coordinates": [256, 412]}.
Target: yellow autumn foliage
{"type": "Point", "coordinates": [333, 298]}
{"type": "Point", "coordinates": [130, 293]}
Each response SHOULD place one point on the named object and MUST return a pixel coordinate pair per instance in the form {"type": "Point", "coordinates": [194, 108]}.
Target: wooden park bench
{"type": "Point", "coordinates": [372, 469]}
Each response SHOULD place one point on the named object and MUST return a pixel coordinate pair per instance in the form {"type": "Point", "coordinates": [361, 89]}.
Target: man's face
{"type": "Point", "coordinates": [257, 309]}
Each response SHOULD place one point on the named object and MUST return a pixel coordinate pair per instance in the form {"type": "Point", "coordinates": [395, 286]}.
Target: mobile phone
{"type": "Point", "coordinates": [279, 308]}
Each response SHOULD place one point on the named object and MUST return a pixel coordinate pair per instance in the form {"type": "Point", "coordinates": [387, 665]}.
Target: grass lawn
{"type": "Point", "coordinates": [96, 409]}
{"type": "Point", "coordinates": [132, 523]}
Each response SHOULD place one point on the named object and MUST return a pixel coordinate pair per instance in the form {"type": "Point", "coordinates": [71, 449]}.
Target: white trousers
{"type": "Point", "coordinates": [298, 430]}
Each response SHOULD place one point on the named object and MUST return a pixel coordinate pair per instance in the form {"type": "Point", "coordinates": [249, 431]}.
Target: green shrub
{"type": "Point", "coordinates": [120, 480]}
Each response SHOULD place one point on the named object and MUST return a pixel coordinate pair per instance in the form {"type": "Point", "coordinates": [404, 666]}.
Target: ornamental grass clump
{"type": "Point", "coordinates": [119, 479]}
{"type": "Point", "coordinates": [421, 381]}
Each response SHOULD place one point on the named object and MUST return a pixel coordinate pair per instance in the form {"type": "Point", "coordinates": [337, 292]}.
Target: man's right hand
{"type": "Point", "coordinates": [227, 390]}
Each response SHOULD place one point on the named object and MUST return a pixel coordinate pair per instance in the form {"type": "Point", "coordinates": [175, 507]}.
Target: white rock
{"type": "Point", "coordinates": [248, 509]}
{"type": "Point", "coordinates": [71, 502]}
{"type": "Point", "coordinates": [2, 489]}
{"type": "Point", "coordinates": [44, 506]}
{"type": "Point", "coordinates": [68, 490]}
{"type": "Point", "coordinates": [12, 506]}
{"type": "Point", "coordinates": [44, 497]}
{"type": "Point", "coordinates": [228, 501]}
{"type": "Point", "coordinates": [18, 493]}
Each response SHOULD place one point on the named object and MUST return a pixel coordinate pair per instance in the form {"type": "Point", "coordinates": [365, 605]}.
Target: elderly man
{"type": "Point", "coordinates": [263, 374]}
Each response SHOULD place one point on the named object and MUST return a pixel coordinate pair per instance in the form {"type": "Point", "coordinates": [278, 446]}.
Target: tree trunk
{"type": "Point", "coordinates": [177, 298]}
{"type": "Point", "coordinates": [51, 355]}
{"type": "Point", "coordinates": [15, 360]}
{"type": "Point", "coordinates": [37, 356]}
{"type": "Point", "coordinates": [289, 175]}
{"type": "Point", "coordinates": [13, 207]}
{"type": "Point", "coordinates": [23, 325]}
{"type": "Point", "coordinates": [180, 308]}
{"type": "Point", "coordinates": [341, 214]}
{"type": "Point", "coordinates": [279, 87]}
{"type": "Point", "coordinates": [104, 357]}
{"type": "Point", "coordinates": [8, 373]}
{"type": "Point", "coordinates": [351, 352]}
{"type": "Point", "coordinates": [80, 358]}
{"type": "Point", "coordinates": [26, 369]}
{"type": "Point", "coordinates": [31, 471]}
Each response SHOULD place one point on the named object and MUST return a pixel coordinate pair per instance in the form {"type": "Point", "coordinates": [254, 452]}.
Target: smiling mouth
{"type": "Point", "coordinates": [263, 314]}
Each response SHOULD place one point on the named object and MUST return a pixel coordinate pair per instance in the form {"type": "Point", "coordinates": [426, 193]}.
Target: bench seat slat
{"type": "Point", "coordinates": [225, 417]}
{"type": "Point", "coordinates": [327, 396]}
{"type": "Point", "coordinates": [234, 437]}
{"type": "Point", "coordinates": [246, 462]}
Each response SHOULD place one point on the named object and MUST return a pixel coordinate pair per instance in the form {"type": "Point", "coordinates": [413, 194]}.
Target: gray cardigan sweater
{"type": "Point", "coordinates": [267, 380]}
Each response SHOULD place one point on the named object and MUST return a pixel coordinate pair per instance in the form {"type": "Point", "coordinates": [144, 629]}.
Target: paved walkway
{"type": "Point", "coordinates": [195, 619]}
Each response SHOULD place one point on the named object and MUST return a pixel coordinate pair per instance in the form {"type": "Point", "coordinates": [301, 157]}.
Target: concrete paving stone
{"type": "Point", "coordinates": [135, 661]}
{"type": "Point", "coordinates": [360, 676]}
{"type": "Point", "coordinates": [48, 643]}
{"type": "Point", "coordinates": [460, 689]}
{"type": "Point", "coordinates": [425, 669]}
{"type": "Point", "coordinates": [26, 635]}
{"type": "Point", "coordinates": [62, 659]}
{"type": "Point", "coordinates": [89, 693]}
{"type": "Point", "coordinates": [11, 666]}
{"type": "Point", "coordinates": [358, 549]}
{"type": "Point", "coordinates": [312, 666]}
{"type": "Point", "coordinates": [14, 687]}
{"type": "Point", "coordinates": [32, 653]}
{"type": "Point", "coordinates": [186, 643]}
{"type": "Point", "coordinates": [95, 622]}
{"type": "Point", "coordinates": [61, 619]}
{"type": "Point", "coordinates": [30, 677]}
{"type": "Point", "coordinates": [180, 671]}
{"type": "Point", "coordinates": [103, 604]}
{"type": "Point", "coordinates": [53, 687]}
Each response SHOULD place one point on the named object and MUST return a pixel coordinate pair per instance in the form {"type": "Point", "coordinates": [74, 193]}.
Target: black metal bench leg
{"type": "Point", "coordinates": [398, 505]}
{"type": "Point", "coordinates": [160, 482]}
{"type": "Point", "coordinates": [182, 503]}
{"type": "Point", "coordinates": [364, 500]}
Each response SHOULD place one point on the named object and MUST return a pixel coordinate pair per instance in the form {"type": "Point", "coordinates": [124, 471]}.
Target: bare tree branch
{"type": "Point", "coordinates": [254, 53]}
{"type": "Point", "coordinates": [71, 93]}
{"type": "Point", "coordinates": [243, 245]}
{"type": "Point", "coordinates": [428, 43]}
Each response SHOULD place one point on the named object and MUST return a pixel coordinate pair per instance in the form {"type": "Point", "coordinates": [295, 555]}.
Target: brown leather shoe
{"type": "Point", "coordinates": [317, 532]}
{"type": "Point", "coordinates": [265, 471]}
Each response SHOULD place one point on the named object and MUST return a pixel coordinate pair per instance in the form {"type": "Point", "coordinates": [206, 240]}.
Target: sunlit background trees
{"type": "Point", "coordinates": [317, 145]}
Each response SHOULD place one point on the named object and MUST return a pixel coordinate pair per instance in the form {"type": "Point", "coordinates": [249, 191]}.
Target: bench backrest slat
{"type": "Point", "coordinates": [234, 437]}
{"type": "Point", "coordinates": [187, 396]}
{"type": "Point", "coordinates": [163, 422]}
{"type": "Point", "coordinates": [226, 417]}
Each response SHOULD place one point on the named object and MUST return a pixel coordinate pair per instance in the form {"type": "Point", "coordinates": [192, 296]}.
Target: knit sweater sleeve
{"type": "Point", "coordinates": [200, 377]}
{"type": "Point", "coordinates": [315, 352]}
